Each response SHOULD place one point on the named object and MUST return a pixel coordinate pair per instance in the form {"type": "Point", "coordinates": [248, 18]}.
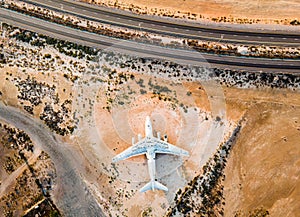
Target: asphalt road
{"type": "Point", "coordinates": [146, 50]}
{"type": "Point", "coordinates": [72, 194]}
{"type": "Point", "coordinates": [171, 27]}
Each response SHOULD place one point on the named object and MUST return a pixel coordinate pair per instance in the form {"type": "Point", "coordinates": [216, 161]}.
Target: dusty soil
{"type": "Point", "coordinates": [262, 174]}
{"type": "Point", "coordinates": [128, 119]}
{"type": "Point", "coordinates": [266, 11]}
{"type": "Point", "coordinates": [266, 151]}
{"type": "Point", "coordinates": [115, 129]}
{"type": "Point", "coordinates": [181, 110]}
{"type": "Point", "coordinates": [266, 148]}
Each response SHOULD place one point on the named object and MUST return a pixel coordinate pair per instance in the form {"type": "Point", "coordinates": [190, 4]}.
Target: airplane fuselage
{"type": "Point", "coordinates": [148, 127]}
{"type": "Point", "coordinates": [150, 154]}
{"type": "Point", "coordinates": [151, 163]}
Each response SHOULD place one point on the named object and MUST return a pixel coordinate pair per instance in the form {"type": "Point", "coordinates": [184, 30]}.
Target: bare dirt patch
{"type": "Point", "coordinates": [164, 100]}
{"type": "Point", "coordinates": [111, 106]}
{"type": "Point", "coordinates": [180, 109]}
{"type": "Point", "coordinates": [262, 174]}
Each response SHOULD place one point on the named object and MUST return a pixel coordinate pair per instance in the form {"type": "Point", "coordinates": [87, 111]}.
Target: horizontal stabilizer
{"type": "Point", "coordinates": [153, 185]}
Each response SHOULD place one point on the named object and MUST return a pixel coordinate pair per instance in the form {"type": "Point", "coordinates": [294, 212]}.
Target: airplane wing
{"type": "Point", "coordinates": [166, 148]}
{"type": "Point", "coordinates": [132, 151]}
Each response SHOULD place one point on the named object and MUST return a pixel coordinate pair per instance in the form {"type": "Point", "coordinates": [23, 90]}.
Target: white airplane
{"type": "Point", "coordinates": [150, 146]}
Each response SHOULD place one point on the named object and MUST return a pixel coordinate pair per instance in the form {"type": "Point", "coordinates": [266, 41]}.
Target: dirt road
{"type": "Point", "coordinates": [71, 193]}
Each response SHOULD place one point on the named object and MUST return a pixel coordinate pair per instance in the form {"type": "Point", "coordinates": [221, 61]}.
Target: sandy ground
{"type": "Point", "coordinates": [10, 91]}
{"type": "Point", "coordinates": [187, 112]}
{"type": "Point", "coordinates": [263, 169]}
{"type": "Point", "coordinates": [187, 119]}
{"type": "Point", "coordinates": [102, 134]}
{"type": "Point", "coordinates": [187, 130]}
{"type": "Point", "coordinates": [265, 10]}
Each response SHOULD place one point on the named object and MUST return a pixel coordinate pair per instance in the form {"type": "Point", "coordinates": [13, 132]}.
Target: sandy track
{"type": "Point", "coordinates": [4, 187]}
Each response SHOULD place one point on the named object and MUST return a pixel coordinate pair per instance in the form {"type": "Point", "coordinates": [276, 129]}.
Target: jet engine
{"type": "Point", "coordinates": [166, 138]}
{"type": "Point", "coordinates": [139, 137]}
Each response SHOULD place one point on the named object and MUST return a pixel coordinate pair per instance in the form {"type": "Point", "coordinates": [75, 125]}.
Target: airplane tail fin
{"type": "Point", "coordinates": [153, 185]}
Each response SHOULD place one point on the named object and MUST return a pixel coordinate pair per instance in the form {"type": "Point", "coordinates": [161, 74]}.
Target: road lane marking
{"type": "Point", "coordinates": [208, 37]}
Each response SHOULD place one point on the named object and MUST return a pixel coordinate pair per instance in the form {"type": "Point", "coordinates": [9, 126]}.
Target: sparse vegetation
{"type": "Point", "coordinates": [204, 194]}
{"type": "Point", "coordinates": [34, 182]}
